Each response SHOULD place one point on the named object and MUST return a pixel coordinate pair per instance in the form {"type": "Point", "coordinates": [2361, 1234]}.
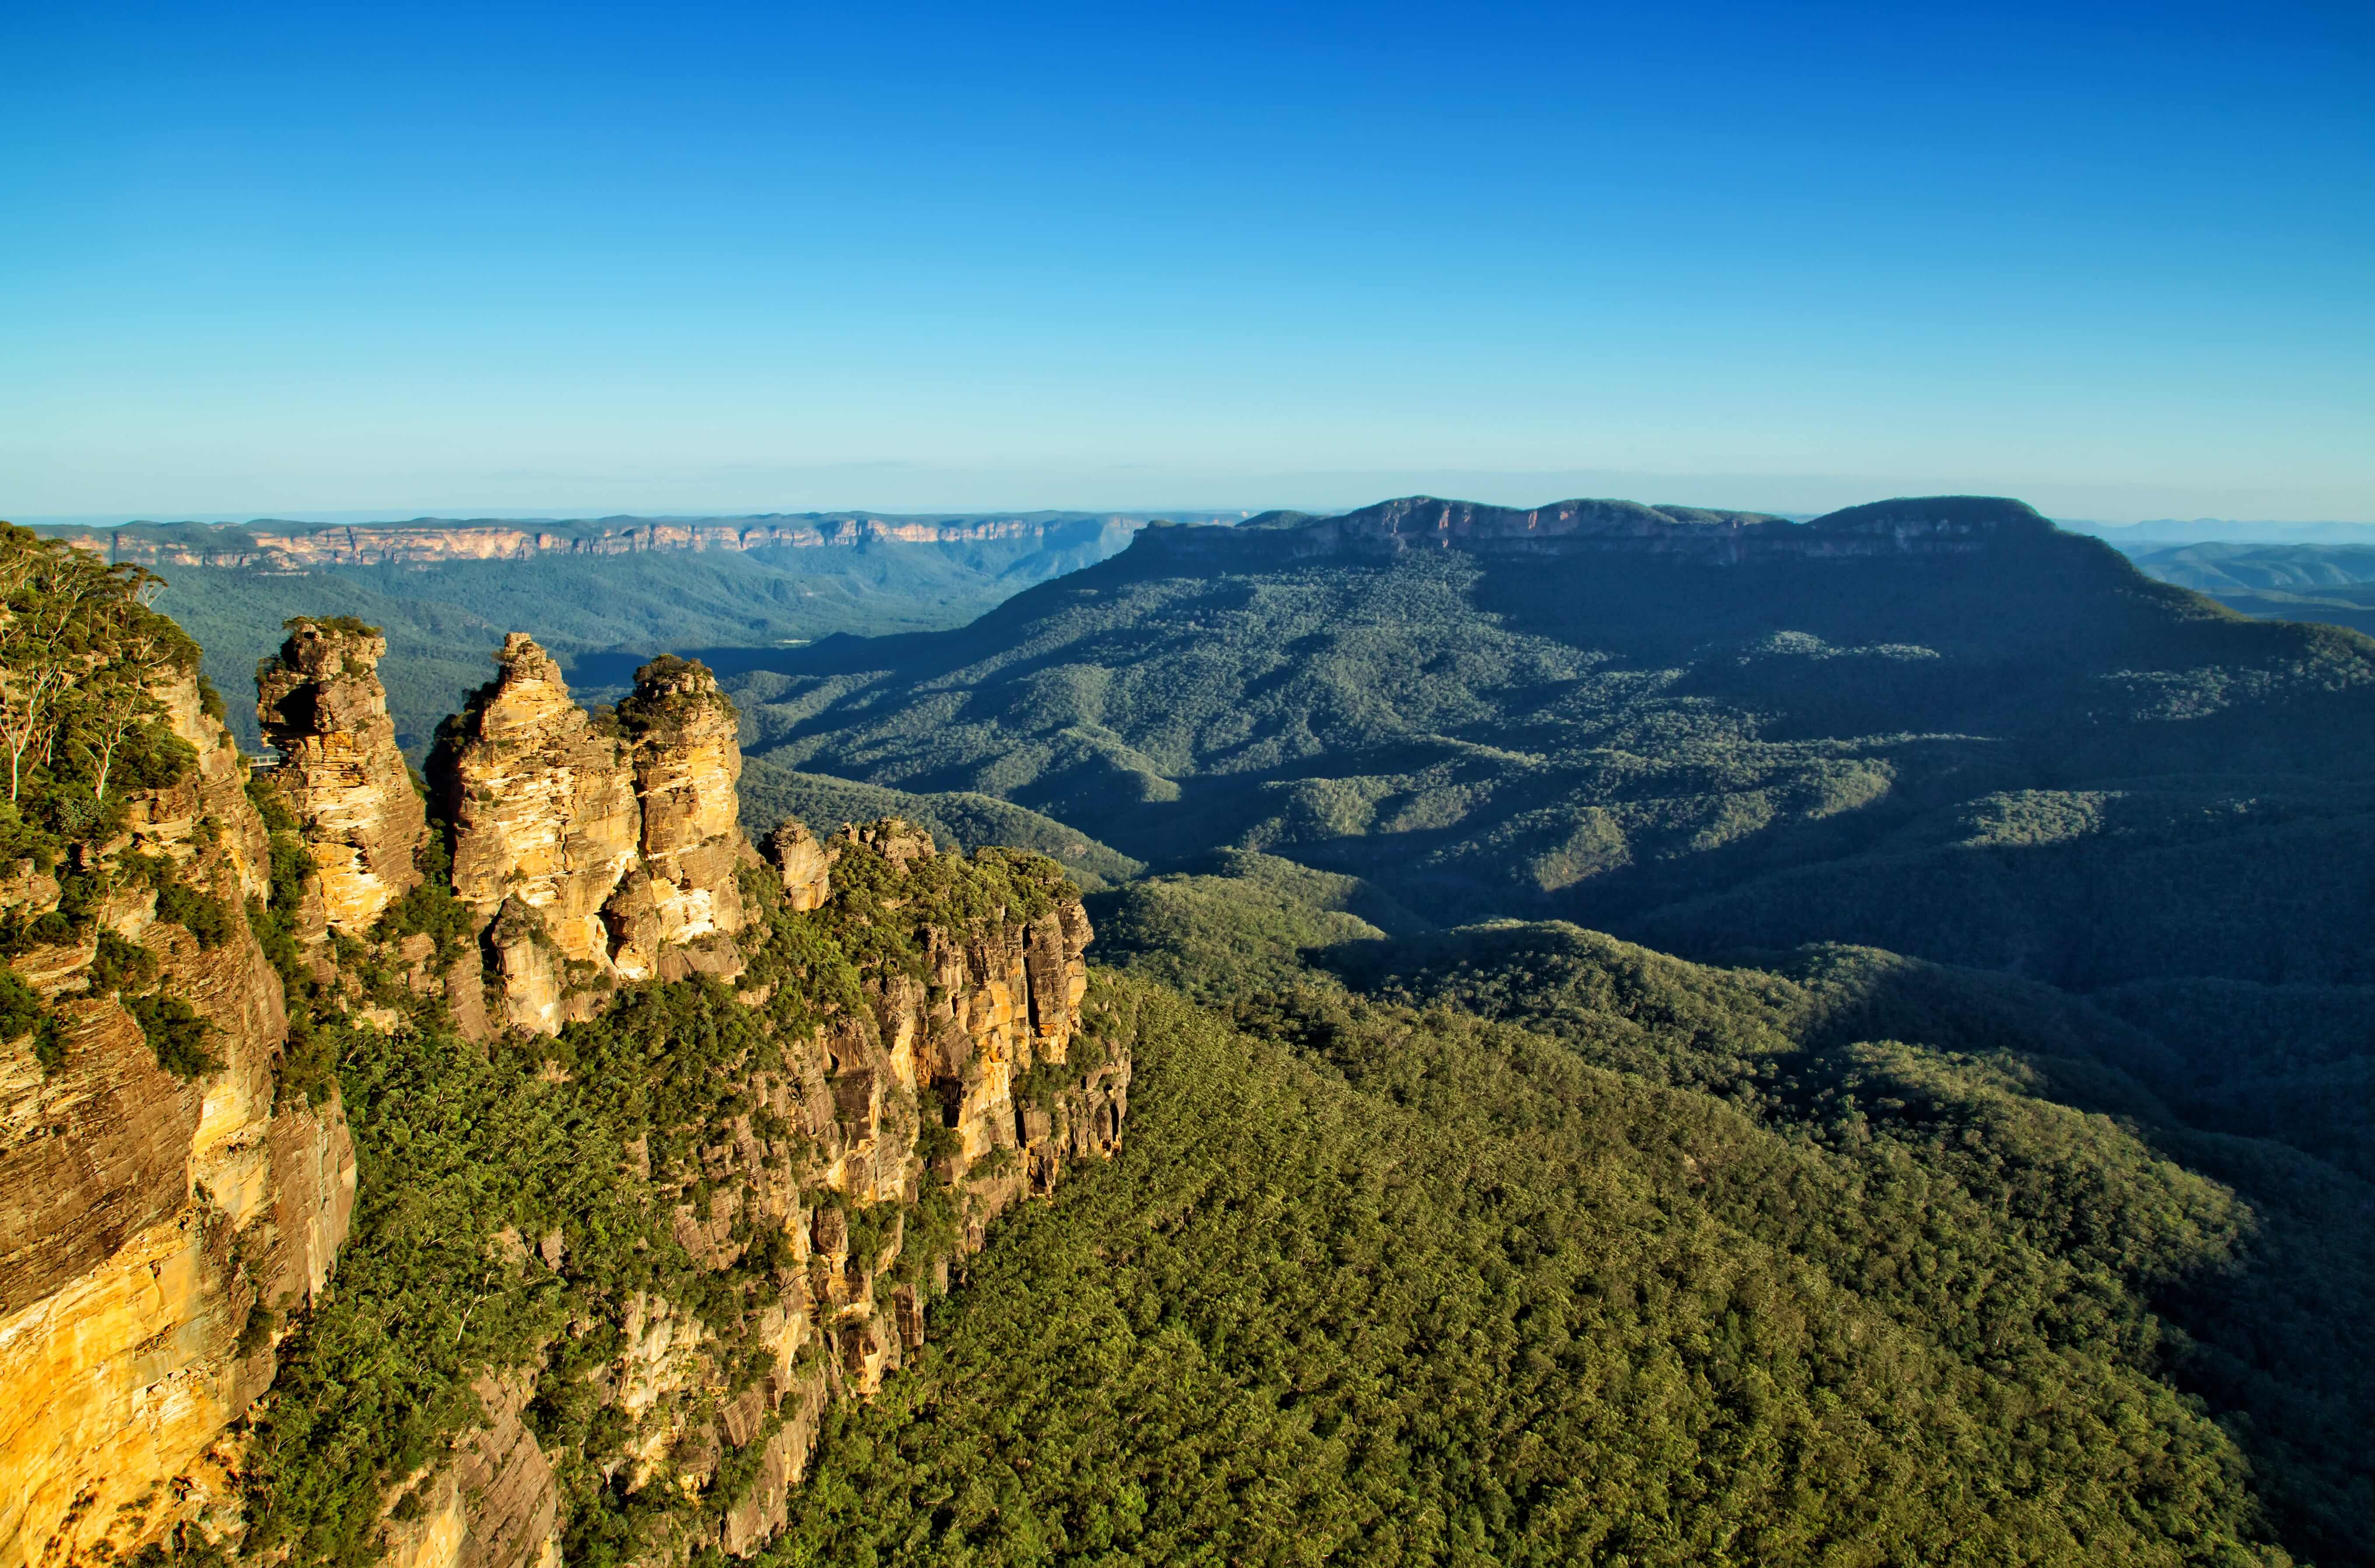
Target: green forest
{"type": "Point", "coordinates": [1850, 1061]}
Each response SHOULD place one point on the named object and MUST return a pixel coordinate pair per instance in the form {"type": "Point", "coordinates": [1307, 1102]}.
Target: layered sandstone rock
{"type": "Point", "coordinates": [597, 852]}
{"type": "Point", "coordinates": [544, 813]}
{"type": "Point", "coordinates": [321, 703]}
{"type": "Point", "coordinates": [495, 1506]}
{"type": "Point", "coordinates": [155, 1230]}
{"type": "Point", "coordinates": [827, 1147]}
{"type": "Point", "coordinates": [686, 762]}
{"type": "Point", "coordinates": [801, 864]}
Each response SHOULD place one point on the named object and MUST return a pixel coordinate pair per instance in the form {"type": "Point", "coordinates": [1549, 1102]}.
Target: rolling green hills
{"type": "Point", "coordinates": [1522, 1245]}
{"type": "Point", "coordinates": [2332, 583]}
{"type": "Point", "coordinates": [2003, 746]}
{"type": "Point", "coordinates": [1659, 1036]}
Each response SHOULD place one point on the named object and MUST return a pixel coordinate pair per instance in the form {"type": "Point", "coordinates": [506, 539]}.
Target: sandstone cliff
{"type": "Point", "coordinates": [883, 1046]}
{"type": "Point", "coordinates": [849, 1166]}
{"type": "Point", "coordinates": [1927, 525]}
{"type": "Point", "coordinates": [321, 705]}
{"type": "Point", "coordinates": [162, 1211]}
{"type": "Point", "coordinates": [684, 889]}
{"type": "Point", "coordinates": [545, 827]}
{"type": "Point", "coordinates": [298, 546]}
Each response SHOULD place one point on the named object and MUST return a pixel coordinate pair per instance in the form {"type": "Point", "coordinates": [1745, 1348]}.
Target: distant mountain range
{"type": "Point", "coordinates": [2201, 530]}
{"type": "Point", "coordinates": [274, 544]}
{"type": "Point", "coordinates": [611, 590]}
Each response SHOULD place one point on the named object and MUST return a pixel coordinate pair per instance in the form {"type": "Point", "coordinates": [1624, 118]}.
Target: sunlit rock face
{"type": "Point", "coordinates": [155, 1230]}
{"type": "Point", "coordinates": [801, 863]}
{"type": "Point", "coordinates": [686, 762]}
{"type": "Point", "coordinates": [161, 1228]}
{"type": "Point", "coordinates": [596, 852]}
{"type": "Point", "coordinates": [321, 705]}
{"type": "Point", "coordinates": [545, 818]}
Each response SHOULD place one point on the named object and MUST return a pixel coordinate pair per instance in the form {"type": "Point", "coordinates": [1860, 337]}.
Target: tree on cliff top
{"type": "Point", "coordinates": [80, 655]}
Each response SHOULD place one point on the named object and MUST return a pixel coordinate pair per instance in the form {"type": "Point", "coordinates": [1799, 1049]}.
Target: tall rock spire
{"type": "Point", "coordinates": [321, 702]}
{"type": "Point", "coordinates": [686, 762]}
{"type": "Point", "coordinates": [545, 827]}
{"type": "Point", "coordinates": [595, 852]}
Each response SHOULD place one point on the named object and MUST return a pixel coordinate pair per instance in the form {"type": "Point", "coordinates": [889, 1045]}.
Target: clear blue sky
{"type": "Point", "coordinates": [2118, 260]}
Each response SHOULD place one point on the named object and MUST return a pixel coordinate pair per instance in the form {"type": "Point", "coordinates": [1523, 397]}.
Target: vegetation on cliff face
{"type": "Point", "coordinates": [523, 1207]}
{"type": "Point", "coordinates": [83, 735]}
{"type": "Point", "coordinates": [81, 728]}
{"type": "Point", "coordinates": [961, 818]}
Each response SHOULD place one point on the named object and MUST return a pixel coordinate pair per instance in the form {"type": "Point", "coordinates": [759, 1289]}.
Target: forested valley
{"type": "Point", "coordinates": [1702, 1039]}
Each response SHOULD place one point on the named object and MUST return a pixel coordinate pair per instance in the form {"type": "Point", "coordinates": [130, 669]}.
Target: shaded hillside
{"type": "Point", "coordinates": [1536, 1247]}
{"type": "Point", "coordinates": [1663, 722]}
{"type": "Point", "coordinates": [2351, 604]}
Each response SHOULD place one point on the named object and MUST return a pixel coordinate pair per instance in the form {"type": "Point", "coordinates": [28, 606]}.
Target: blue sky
{"type": "Point", "coordinates": [2118, 260]}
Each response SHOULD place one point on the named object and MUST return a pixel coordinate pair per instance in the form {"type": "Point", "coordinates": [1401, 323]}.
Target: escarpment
{"type": "Point", "coordinates": [167, 1199]}
{"type": "Point", "coordinates": [1922, 525]}
{"type": "Point", "coordinates": [296, 547]}
{"type": "Point", "coordinates": [468, 1181]}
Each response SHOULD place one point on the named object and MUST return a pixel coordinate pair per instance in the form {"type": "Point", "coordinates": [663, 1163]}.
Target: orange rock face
{"type": "Point", "coordinates": [323, 706]}
{"type": "Point", "coordinates": [545, 818]}
{"type": "Point", "coordinates": [596, 854]}
{"type": "Point", "coordinates": [155, 1229]}
{"type": "Point", "coordinates": [686, 763]}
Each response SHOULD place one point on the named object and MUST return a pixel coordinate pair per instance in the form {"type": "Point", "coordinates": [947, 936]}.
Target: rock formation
{"type": "Point", "coordinates": [801, 863]}
{"type": "Point", "coordinates": [155, 1229]}
{"type": "Point", "coordinates": [686, 761]}
{"type": "Point", "coordinates": [922, 1059]}
{"type": "Point", "coordinates": [321, 705]}
{"type": "Point", "coordinates": [595, 853]}
{"type": "Point", "coordinates": [545, 827]}
{"type": "Point", "coordinates": [932, 1078]}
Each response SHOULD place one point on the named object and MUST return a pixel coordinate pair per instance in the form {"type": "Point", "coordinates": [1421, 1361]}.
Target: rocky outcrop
{"type": "Point", "coordinates": [156, 1229]}
{"type": "Point", "coordinates": [979, 1070]}
{"type": "Point", "coordinates": [494, 1508]}
{"type": "Point", "coordinates": [546, 822]}
{"type": "Point", "coordinates": [321, 705]}
{"type": "Point", "coordinates": [686, 762]}
{"type": "Point", "coordinates": [921, 1051]}
{"type": "Point", "coordinates": [801, 864]}
{"type": "Point", "coordinates": [595, 853]}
